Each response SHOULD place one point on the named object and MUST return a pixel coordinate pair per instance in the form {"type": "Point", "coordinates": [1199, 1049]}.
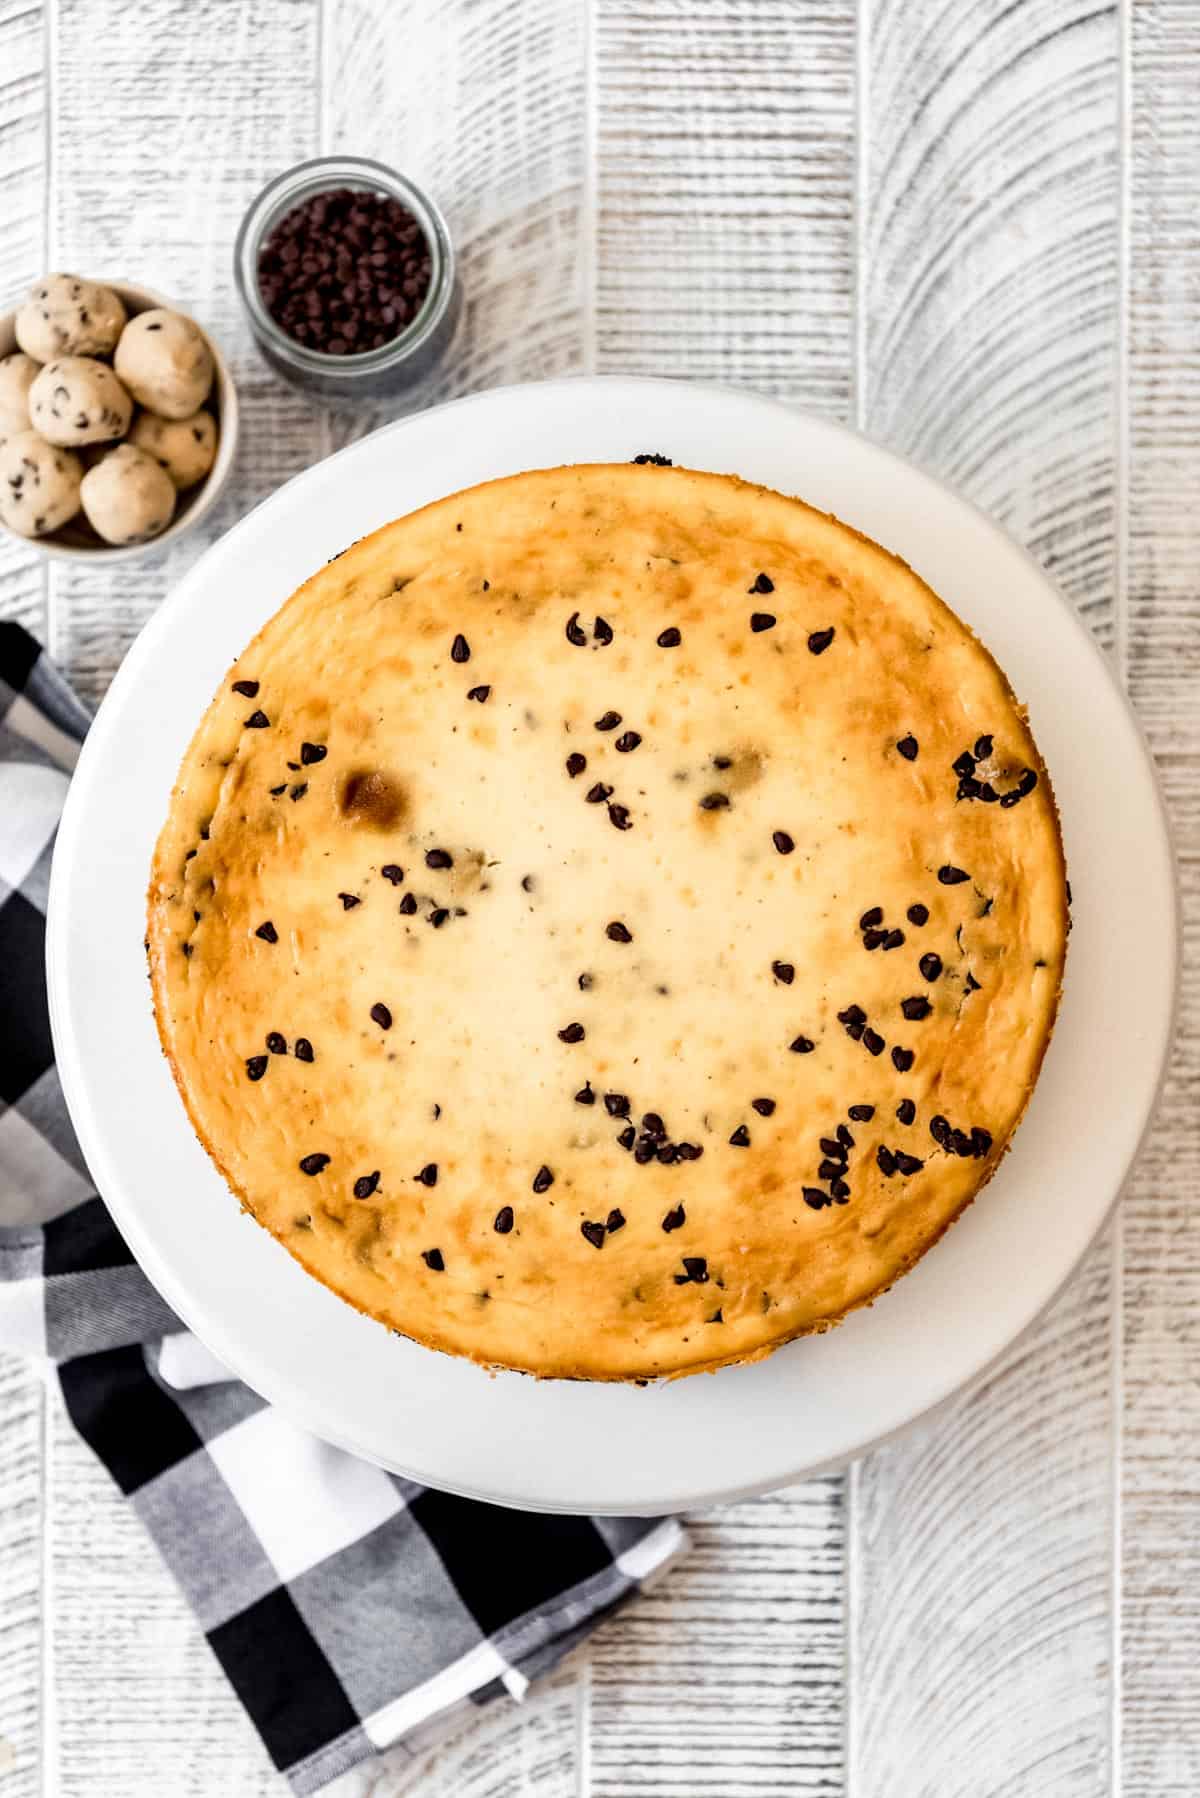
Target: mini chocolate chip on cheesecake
{"type": "Point", "coordinates": [616, 977]}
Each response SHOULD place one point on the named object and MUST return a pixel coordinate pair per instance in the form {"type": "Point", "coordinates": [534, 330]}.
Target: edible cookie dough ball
{"type": "Point", "coordinates": [165, 363]}
{"type": "Point", "coordinates": [128, 498]}
{"type": "Point", "coordinates": [79, 400]}
{"type": "Point", "coordinates": [67, 316]}
{"type": "Point", "coordinates": [39, 485]}
{"type": "Point", "coordinates": [17, 375]}
{"type": "Point", "coordinates": [185, 447]}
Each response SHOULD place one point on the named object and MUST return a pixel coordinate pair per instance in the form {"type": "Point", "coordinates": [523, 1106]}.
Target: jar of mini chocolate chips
{"type": "Point", "coordinates": [348, 277]}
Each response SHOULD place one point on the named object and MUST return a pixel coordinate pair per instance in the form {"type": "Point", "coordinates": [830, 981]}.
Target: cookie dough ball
{"type": "Point", "coordinates": [165, 363]}
{"type": "Point", "coordinates": [78, 400]}
{"type": "Point", "coordinates": [128, 498]}
{"type": "Point", "coordinates": [39, 484]}
{"type": "Point", "coordinates": [67, 316]}
{"type": "Point", "coordinates": [18, 372]}
{"type": "Point", "coordinates": [185, 447]}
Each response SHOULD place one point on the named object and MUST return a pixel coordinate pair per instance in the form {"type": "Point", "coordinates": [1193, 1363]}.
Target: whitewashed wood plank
{"type": "Point", "coordinates": [21, 1538]}
{"type": "Point", "coordinates": [483, 105]}
{"type": "Point", "coordinates": [724, 199]}
{"type": "Point", "coordinates": [23, 598]}
{"type": "Point", "coordinates": [981, 1548]}
{"type": "Point", "coordinates": [1160, 1476]}
{"type": "Point", "coordinates": [725, 144]}
{"type": "Point", "coordinates": [168, 118]}
{"type": "Point", "coordinates": [726, 1679]}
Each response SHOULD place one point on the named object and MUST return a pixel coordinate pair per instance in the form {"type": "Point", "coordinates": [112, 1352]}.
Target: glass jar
{"type": "Point", "coordinates": [405, 365]}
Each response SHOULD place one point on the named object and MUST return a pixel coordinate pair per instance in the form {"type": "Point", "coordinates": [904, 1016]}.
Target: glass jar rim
{"type": "Point", "coordinates": [323, 174]}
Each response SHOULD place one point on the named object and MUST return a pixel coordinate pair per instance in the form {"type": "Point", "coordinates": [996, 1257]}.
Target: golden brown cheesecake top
{"type": "Point", "coordinates": [609, 922]}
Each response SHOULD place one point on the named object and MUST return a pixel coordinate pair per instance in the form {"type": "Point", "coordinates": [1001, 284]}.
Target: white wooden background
{"type": "Point", "coordinates": [970, 227]}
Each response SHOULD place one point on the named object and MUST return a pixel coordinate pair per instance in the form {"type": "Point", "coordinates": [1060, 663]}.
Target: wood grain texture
{"type": "Point", "coordinates": [981, 1547]}
{"type": "Point", "coordinates": [484, 106]}
{"type": "Point", "coordinates": [21, 1541]}
{"type": "Point", "coordinates": [724, 181]}
{"type": "Point", "coordinates": [1160, 1486]}
{"type": "Point", "coordinates": [726, 1680]}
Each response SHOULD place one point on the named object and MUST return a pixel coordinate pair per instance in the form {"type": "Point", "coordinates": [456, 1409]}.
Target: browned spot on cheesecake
{"type": "Point", "coordinates": [372, 800]}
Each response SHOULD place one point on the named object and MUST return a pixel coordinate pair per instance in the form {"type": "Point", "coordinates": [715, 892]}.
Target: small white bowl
{"type": "Point", "coordinates": [76, 541]}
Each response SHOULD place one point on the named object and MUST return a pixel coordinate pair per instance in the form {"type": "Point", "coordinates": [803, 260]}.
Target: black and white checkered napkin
{"type": "Point", "coordinates": [349, 1608]}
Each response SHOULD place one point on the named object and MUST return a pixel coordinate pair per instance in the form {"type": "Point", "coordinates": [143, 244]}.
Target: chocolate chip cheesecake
{"type": "Point", "coordinates": [609, 922]}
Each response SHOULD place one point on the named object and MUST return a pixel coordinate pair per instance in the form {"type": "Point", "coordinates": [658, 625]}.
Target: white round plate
{"type": "Point", "coordinates": [558, 1445]}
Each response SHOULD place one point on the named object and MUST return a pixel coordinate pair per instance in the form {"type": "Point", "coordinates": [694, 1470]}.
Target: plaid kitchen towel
{"type": "Point", "coordinates": [350, 1609]}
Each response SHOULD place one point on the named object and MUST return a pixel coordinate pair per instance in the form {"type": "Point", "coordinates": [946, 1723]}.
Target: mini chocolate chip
{"type": "Point", "coordinates": [950, 876]}
{"type": "Point", "coordinates": [741, 1137]}
{"type": "Point", "coordinates": [762, 621]}
{"type": "Point", "coordinates": [802, 1045]}
{"type": "Point", "coordinates": [267, 932]}
{"type": "Point", "coordinates": [688, 1151]}
{"type": "Point", "coordinates": [574, 634]}
{"type": "Point", "coordinates": [349, 901]}
{"type": "Point", "coordinates": [819, 641]}
{"type": "Point", "coordinates": [381, 1016]}
{"type": "Point", "coordinates": [870, 919]}
{"type": "Point", "coordinates": [783, 843]}
{"type": "Point", "coordinates": [840, 1190]}
{"type": "Point", "coordinates": [983, 748]}
{"type": "Point", "coordinates": [608, 721]}
{"type": "Point", "coordinates": [303, 1050]}
{"type": "Point", "coordinates": [855, 1032]}
{"type": "Point", "coordinates": [572, 1033]}
{"type": "Point", "coordinates": [428, 1175]}
{"type": "Point", "coordinates": [964, 765]}
{"type": "Point", "coordinates": [479, 694]}
{"type": "Point", "coordinates": [312, 752]}
{"type": "Point", "coordinates": [247, 688]}
{"type": "Point", "coordinates": [276, 1043]}
{"type": "Point", "coordinates": [981, 1142]}
{"type": "Point", "coordinates": [438, 916]}
{"type": "Point", "coordinates": [543, 1179]}
{"type": "Point", "coordinates": [653, 1125]}
{"type": "Point", "coordinates": [844, 1137]}
{"type": "Point", "coordinates": [667, 1153]}
{"type": "Point", "coordinates": [626, 1138]}
{"type": "Point", "coordinates": [646, 1150]}
{"type": "Point", "coordinates": [502, 1223]}
{"type": "Point", "coordinates": [616, 1105]}
{"type": "Point", "coordinates": [460, 649]}
{"type": "Point", "coordinates": [365, 1185]}
{"type": "Point", "coordinates": [902, 1060]}
{"type": "Point", "coordinates": [275, 792]}
{"type": "Point", "coordinates": [408, 905]}
{"type": "Point", "coordinates": [862, 1114]}
{"type": "Point", "coordinates": [762, 584]}
{"type": "Point", "coordinates": [298, 792]}
{"type": "Point", "coordinates": [764, 1107]}
{"type": "Point", "coordinates": [960, 1142]}
{"type": "Point", "coordinates": [617, 933]}
{"type": "Point", "coordinates": [722, 761]}
{"type": "Point", "coordinates": [258, 721]}
{"type": "Point", "coordinates": [438, 858]}
{"type": "Point", "coordinates": [674, 1220]}
{"type": "Point", "coordinates": [916, 1008]}
{"type": "Point", "coordinates": [853, 1014]}
{"type": "Point", "coordinates": [930, 966]}
{"type": "Point", "coordinates": [314, 1164]}
{"type": "Point", "coordinates": [872, 939]}
{"type": "Point", "coordinates": [873, 1041]}
{"type": "Point", "coordinates": [627, 742]}
{"type": "Point", "coordinates": [598, 794]}
{"type": "Point", "coordinates": [893, 940]}
{"type": "Point", "coordinates": [939, 1129]}
{"type": "Point", "coordinates": [714, 802]}
{"type": "Point", "coordinates": [908, 747]}
{"type": "Point", "coordinates": [618, 817]}
{"type": "Point", "coordinates": [814, 1198]}
{"type": "Point", "coordinates": [594, 1234]}
{"type": "Point", "coordinates": [918, 915]}
{"type": "Point", "coordinates": [908, 1164]}
{"type": "Point", "coordinates": [886, 1160]}
{"type": "Point", "coordinates": [669, 639]}
{"type": "Point", "coordinates": [584, 983]}
{"type": "Point", "coordinates": [832, 1145]}
{"type": "Point", "coordinates": [906, 1111]}
{"type": "Point", "coordinates": [576, 763]}
{"type": "Point", "coordinates": [831, 1170]}
{"type": "Point", "coordinates": [602, 631]}
{"type": "Point", "coordinates": [433, 1260]}
{"type": "Point", "coordinates": [392, 873]}
{"type": "Point", "coordinates": [256, 1066]}
{"type": "Point", "coordinates": [614, 1221]}
{"type": "Point", "coordinates": [696, 1271]}
{"type": "Point", "coordinates": [585, 1095]}
{"type": "Point", "coordinates": [784, 971]}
